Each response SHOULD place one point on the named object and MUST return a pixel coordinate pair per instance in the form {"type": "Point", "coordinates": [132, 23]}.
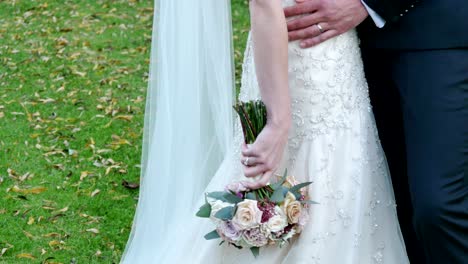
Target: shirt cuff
{"type": "Point", "coordinates": [378, 20]}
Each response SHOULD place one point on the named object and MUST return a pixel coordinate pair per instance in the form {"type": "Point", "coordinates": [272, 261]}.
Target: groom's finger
{"type": "Point", "coordinates": [310, 42]}
{"type": "Point", "coordinates": [300, 9]}
{"type": "Point", "coordinates": [305, 21]}
{"type": "Point", "coordinates": [307, 33]}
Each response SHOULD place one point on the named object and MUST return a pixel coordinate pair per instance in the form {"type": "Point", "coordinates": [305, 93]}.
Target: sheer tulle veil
{"type": "Point", "coordinates": [188, 120]}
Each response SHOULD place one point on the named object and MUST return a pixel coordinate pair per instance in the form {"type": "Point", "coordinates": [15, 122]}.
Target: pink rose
{"type": "Point", "coordinates": [236, 187]}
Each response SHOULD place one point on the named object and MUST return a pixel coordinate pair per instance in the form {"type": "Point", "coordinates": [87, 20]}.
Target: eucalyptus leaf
{"type": "Point", "coordinates": [212, 235]}
{"type": "Point", "coordinates": [297, 195]}
{"type": "Point", "coordinates": [300, 186]}
{"type": "Point", "coordinates": [279, 195]}
{"type": "Point", "coordinates": [227, 213]}
{"type": "Point", "coordinates": [280, 182]}
{"type": "Point", "coordinates": [251, 196]}
{"type": "Point", "coordinates": [217, 195]}
{"type": "Point", "coordinates": [255, 251]}
{"type": "Point", "coordinates": [231, 198]}
{"type": "Point", "coordinates": [204, 211]}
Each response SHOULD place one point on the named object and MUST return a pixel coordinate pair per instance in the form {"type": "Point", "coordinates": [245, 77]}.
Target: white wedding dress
{"type": "Point", "coordinates": [334, 143]}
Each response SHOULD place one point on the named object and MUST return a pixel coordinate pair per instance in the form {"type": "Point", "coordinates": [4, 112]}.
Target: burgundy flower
{"type": "Point", "coordinates": [268, 209]}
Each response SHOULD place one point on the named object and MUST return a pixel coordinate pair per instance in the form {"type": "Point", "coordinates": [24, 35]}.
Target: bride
{"type": "Point", "coordinates": [320, 127]}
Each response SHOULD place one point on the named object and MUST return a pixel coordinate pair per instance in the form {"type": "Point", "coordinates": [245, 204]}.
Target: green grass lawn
{"type": "Point", "coordinates": [72, 92]}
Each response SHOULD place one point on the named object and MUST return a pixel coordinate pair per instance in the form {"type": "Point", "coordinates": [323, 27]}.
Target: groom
{"type": "Point", "coordinates": [416, 61]}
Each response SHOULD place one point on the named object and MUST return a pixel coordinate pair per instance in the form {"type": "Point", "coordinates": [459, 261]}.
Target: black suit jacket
{"type": "Point", "coordinates": [417, 24]}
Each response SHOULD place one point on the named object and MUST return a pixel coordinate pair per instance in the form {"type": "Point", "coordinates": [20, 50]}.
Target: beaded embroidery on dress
{"type": "Point", "coordinates": [334, 143]}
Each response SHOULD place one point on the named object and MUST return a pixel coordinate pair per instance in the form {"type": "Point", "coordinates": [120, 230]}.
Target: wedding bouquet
{"type": "Point", "coordinates": [271, 215]}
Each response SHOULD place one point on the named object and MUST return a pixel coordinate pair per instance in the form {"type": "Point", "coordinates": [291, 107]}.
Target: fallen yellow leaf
{"type": "Point", "coordinates": [34, 190]}
{"type": "Point", "coordinates": [51, 235]}
{"type": "Point", "coordinates": [54, 243]}
{"type": "Point", "coordinates": [25, 255]}
{"type": "Point", "coordinates": [28, 234]}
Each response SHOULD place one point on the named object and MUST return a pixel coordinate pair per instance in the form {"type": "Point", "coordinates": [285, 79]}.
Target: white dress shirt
{"type": "Point", "coordinates": [378, 20]}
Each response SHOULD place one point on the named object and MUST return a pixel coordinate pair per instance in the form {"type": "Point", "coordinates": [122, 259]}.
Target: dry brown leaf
{"type": "Point", "coordinates": [85, 174]}
{"type": "Point", "coordinates": [25, 255]}
{"type": "Point", "coordinates": [31, 220]}
{"type": "Point", "coordinates": [54, 217]}
{"type": "Point", "coordinates": [54, 243]}
{"type": "Point", "coordinates": [95, 192]}
{"type": "Point", "coordinates": [34, 190]}
{"type": "Point", "coordinates": [63, 210]}
{"type": "Point", "coordinates": [93, 230]}
{"type": "Point", "coordinates": [29, 235]}
{"type": "Point", "coordinates": [124, 117]}
{"type": "Point", "coordinates": [51, 235]}
{"type": "Point", "coordinates": [25, 176]}
{"type": "Point", "coordinates": [130, 185]}
{"type": "Point", "coordinates": [47, 100]}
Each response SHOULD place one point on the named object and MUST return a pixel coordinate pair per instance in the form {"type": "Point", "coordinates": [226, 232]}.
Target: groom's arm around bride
{"type": "Point", "coordinates": [417, 70]}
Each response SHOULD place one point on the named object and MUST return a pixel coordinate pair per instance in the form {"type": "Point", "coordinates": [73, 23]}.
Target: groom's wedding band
{"type": "Point", "coordinates": [320, 28]}
{"type": "Point", "coordinates": [246, 161]}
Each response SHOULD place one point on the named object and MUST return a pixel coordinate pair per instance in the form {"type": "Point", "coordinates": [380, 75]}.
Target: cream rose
{"type": "Point", "coordinates": [293, 211]}
{"type": "Point", "coordinates": [248, 215]}
{"type": "Point", "coordinates": [293, 208]}
{"type": "Point", "coordinates": [277, 222]}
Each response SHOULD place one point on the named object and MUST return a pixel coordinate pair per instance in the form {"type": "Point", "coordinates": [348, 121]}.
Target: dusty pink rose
{"type": "Point", "coordinates": [236, 187]}
{"type": "Point", "coordinates": [255, 237]}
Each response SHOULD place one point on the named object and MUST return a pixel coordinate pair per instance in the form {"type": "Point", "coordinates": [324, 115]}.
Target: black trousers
{"type": "Point", "coordinates": [420, 100]}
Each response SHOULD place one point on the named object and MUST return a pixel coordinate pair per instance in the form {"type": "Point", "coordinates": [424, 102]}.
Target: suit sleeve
{"type": "Point", "coordinates": [391, 10]}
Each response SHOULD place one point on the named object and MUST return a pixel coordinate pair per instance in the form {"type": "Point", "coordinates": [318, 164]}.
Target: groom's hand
{"type": "Point", "coordinates": [323, 19]}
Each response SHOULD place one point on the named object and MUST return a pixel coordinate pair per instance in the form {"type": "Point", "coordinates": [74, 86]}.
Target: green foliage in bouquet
{"type": "Point", "coordinates": [253, 118]}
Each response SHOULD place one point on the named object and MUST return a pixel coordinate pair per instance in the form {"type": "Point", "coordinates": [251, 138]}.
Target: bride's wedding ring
{"type": "Point", "coordinates": [246, 161]}
{"type": "Point", "coordinates": [320, 28]}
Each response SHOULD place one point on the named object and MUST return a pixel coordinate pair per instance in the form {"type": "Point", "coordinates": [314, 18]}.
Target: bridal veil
{"type": "Point", "coordinates": [188, 120]}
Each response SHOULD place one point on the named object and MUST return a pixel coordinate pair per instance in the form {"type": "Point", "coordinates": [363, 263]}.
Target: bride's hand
{"type": "Point", "coordinates": [264, 155]}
